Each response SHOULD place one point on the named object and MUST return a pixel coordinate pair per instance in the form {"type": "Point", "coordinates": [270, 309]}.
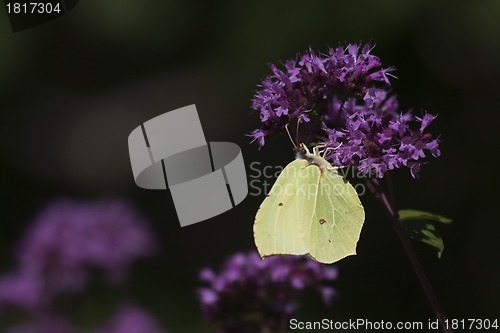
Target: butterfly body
{"type": "Point", "coordinates": [314, 158]}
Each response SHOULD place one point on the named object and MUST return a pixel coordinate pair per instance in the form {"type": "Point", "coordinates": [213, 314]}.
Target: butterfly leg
{"type": "Point", "coordinates": [316, 150]}
{"type": "Point", "coordinates": [326, 151]}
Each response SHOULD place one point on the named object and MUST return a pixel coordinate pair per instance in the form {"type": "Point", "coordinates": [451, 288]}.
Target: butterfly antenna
{"type": "Point", "coordinates": [308, 137]}
{"type": "Point", "coordinates": [297, 130]}
{"type": "Point", "coordinates": [289, 136]}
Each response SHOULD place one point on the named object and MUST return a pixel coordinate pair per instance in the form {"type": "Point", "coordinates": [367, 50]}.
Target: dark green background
{"type": "Point", "coordinates": [72, 89]}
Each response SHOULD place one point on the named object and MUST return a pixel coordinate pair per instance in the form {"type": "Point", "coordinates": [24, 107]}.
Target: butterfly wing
{"type": "Point", "coordinates": [278, 227]}
{"type": "Point", "coordinates": [309, 212]}
{"type": "Point", "coordinates": [334, 229]}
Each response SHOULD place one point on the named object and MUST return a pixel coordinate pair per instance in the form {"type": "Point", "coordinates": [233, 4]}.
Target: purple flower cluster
{"type": "Point", "coordinates": [343, 101]}
{"type": "Point", "coordinates": [23, 291]}
{"type": "Point", "coordinates": [131, 319]}
{"type": "Point", "coordinates": [68, 240]}
{"type": "Point", "coordinates": [128, 319]}
{"type": "Point", "coordinates": [254, 295]}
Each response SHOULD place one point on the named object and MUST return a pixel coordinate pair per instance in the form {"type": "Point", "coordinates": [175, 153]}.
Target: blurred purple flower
{"type": "Point", "coordinates": [254, 295]}
{"type": "Point", "coordinates": [343, 101]}
{"type": "Point", "coordinates": [69, 237]}
{"type": "Point", "coordinates": [131, 319]}
{"type": "Point", "coordinates": [22, 290]}
{"type": "Point", "coordinates": [46, 324]}
{"type": "Point", "coordinates": [66, 241]}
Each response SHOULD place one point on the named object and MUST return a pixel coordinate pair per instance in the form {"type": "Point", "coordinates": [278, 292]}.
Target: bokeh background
{"type": "Point", "coordinates": [71, 90]}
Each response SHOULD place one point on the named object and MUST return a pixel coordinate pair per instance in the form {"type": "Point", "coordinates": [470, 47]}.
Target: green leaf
{"type": "Point", "coordinates": [411, 214]}
{"type": "Point", "coordinates": [417, 225]}
{"type": "Point", "coordinates": [424, 232]}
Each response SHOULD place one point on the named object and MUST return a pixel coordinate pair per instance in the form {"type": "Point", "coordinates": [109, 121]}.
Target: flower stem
{"type": "Point", "coordinates": [380, 195]}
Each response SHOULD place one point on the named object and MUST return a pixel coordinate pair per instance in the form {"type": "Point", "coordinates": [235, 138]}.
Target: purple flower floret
{"type": "Point", "coordinates": [254, 295]}
{"type": "Point", "coordinates": [342, 99]}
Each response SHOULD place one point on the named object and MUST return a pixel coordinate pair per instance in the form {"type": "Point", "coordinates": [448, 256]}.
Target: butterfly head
{"type": "Point", "coordinates": [302, 151]}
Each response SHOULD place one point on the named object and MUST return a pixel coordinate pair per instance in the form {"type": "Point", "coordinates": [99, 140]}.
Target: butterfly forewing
{"type": "Point", "coordinates": [276, 227]}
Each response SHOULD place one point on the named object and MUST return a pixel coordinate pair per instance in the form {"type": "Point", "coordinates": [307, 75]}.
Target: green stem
{"type": "Point", "coordinates": [379, 193]}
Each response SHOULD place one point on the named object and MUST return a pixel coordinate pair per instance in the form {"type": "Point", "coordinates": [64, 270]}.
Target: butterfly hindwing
{"type": "Point", "coordinates": [337, 221]}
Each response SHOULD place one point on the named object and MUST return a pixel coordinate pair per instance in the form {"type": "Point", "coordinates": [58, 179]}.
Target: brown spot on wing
{"type": "Point", "coordinates": [280, 204]}
{"type": "Point", "coordinates": [322, 221]}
